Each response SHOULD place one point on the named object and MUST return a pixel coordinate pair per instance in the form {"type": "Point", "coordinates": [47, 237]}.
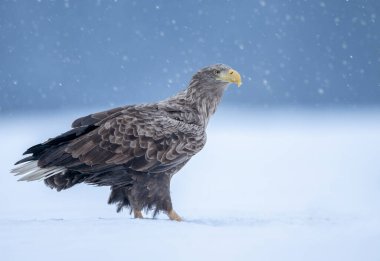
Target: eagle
{"type": "Point", "coordinates": [134, 149]}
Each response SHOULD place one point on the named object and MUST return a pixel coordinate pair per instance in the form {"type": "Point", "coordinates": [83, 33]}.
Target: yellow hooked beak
{"type": "Point", "coordinates": [231, 76]}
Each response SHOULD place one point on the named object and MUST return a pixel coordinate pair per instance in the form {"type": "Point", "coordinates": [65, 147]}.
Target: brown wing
{"type": "Point", "coordinates": [143, 140]}
{"type": "Point", "coordinates": [96, 117]}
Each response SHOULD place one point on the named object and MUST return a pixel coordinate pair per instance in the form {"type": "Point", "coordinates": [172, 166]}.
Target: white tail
{"type": "Point", "coordinates": [31, 171]}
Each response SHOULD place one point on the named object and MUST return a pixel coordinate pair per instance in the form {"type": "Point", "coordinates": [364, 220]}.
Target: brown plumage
{"type": "Point", "coordinates": [134, 149]}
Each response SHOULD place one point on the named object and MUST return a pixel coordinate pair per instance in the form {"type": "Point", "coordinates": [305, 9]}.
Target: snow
{"type": "Point", "coordinates": [277, 185]}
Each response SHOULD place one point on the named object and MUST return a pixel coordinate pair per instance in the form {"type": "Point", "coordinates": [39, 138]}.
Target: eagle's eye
{"type": "Point", "coordinates": [216, 72]}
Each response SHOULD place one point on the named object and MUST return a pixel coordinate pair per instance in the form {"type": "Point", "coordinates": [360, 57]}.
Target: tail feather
{"type": "Point", "coordinates": [49, 161]}
{"type": "Point", "coordinates": [30, 171]}
{"type": "Point", "coordinates": [27, 159]}
{"type": "Point", "coordinates": [24, 168]}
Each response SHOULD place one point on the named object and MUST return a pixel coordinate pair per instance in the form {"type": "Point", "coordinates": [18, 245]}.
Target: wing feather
{"type": "Point", "coordinates": [142, 139]}
{"type": "Point", "coordinates": [95, 117]}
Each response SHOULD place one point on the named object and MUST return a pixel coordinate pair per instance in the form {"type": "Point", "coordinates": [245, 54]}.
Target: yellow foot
{"type": "Point", "coordinates": [137, 214]}
{"type": "Point", "coordinates": [174, 216]}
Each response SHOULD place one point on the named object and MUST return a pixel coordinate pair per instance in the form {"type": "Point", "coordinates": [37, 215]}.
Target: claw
{"type": "Point", "coordinates": [174, 216]}
{"type": "Point", "coordinates": [137, 213]}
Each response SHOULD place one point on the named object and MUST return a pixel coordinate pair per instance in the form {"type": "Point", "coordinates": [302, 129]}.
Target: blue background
{"type": "Point", "coordinates": [75, 54]}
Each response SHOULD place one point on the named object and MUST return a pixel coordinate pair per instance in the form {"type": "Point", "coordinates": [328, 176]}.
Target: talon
{"type": "Point", "coordinates": [137, 214]}
{"type": "Point", "coordinates": [174, 216]}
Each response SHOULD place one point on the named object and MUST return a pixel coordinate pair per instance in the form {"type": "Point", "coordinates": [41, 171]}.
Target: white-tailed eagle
{"type": "Point", "coordinates": [134, 149]}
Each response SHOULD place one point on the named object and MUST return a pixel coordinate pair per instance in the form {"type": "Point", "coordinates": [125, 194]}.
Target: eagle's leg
{"type": "Point", "coordinates": [122, 197]}
{"type": "Point", "coordinates": [150, 192]}
{"type": "Point", "coordinates": [173, 215]}
{"type": "Point", "coordinates": [137, 213]}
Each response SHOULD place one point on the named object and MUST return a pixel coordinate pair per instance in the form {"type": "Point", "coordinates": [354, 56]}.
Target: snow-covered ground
{"type": "Point", "coordinates": [268, 186]}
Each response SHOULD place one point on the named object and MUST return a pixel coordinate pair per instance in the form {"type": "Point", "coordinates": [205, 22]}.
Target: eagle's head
{"type": "Point", "coordinates": [207, 86]}
{"type": "Point", "coordinates": [217, 75]}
